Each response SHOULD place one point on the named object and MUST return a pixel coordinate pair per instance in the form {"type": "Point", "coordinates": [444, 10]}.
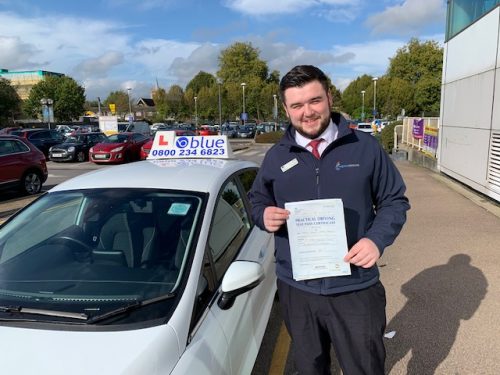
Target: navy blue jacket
{"type": "Point", "coordinates": [354, 168]}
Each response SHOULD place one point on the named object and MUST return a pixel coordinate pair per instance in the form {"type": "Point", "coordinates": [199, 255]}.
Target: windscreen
{"type": "Point", "coordinates": [91, 251]}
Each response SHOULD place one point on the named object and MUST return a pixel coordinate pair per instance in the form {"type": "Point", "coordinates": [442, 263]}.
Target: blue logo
{"type": "Point", "coordinates": [182, 142]}
{"type": "Point", "coordinates": [340, 166]}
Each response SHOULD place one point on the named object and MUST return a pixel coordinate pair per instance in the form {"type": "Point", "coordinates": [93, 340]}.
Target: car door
{"type": "Point", "coordinates": [234, 237]}
{"type": "Point", "coordinates": [13, 155]}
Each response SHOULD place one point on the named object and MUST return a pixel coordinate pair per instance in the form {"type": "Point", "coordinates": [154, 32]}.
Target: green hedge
{"type": "Point", "coordinates": [387, 136]}
{"type": "Point", "coordinates": [271, 137]}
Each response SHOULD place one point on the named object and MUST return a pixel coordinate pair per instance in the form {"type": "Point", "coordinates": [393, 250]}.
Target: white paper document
{"type": "Point", "coordinates": [318, 243]}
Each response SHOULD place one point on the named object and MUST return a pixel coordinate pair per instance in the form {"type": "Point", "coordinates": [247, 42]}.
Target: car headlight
{"type": "Point", "coordinates": [91, 149]}
{"type": "Point", "coordinates": [117, 149]}
{"type": "Point", "coordinates": [50, 149]}
{"type": "Point", "coordinates": [71, 149]}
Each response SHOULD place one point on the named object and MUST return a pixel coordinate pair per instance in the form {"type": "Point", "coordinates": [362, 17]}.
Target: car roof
{"type": "Point", "coordinates": [203, 175]}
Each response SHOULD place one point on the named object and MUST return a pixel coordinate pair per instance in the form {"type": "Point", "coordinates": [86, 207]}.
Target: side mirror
{"type": "Point", "coordinates": [240, 277]}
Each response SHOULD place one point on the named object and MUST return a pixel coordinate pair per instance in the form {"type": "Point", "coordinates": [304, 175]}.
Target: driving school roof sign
{"type": "Point", "coordinates": [167, 146]}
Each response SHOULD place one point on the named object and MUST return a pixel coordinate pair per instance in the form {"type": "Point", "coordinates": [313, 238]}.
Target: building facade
{"type": "Point", "coordinates": [469, 135]}
{"type": "Point", "coordinates": [24, 80]}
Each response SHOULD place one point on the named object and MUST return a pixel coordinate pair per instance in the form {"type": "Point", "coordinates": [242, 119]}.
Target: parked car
{"type": "Point", "coordinates": [207, 130]}
{"type": "Point", "coordinates": [118, 148]}
{"type": "Point", "coordinates": [159, 126]}
{"type": "Point", "coordinates": [22, 165]}
{"type": "Point", "coordinates": [76, 147]}
{"type": "Point", "coordinates": [10, 129]}
{"type": "Point", "coordinates": [365, 127]}
{"type": "Point", "coordinates": [65, 130]}
{"type": "Point", "coordinates": [43, 139]}
{"type": "Point", "coordinates": [139, 127]}
{"type": "Point", "coordinates": [245, 132]}
{"type": "Point", "coordinates": [146, 147]}
{"type": "Point", "coordinates": [229, 131]}
{"type": "Point", "coordinates": [153, 267]}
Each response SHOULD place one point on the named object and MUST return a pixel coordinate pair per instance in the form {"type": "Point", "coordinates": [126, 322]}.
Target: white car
{"type": "Point", "coordinates": [152, 267]}
{"type": "Point", "coordinates": [365, 127]}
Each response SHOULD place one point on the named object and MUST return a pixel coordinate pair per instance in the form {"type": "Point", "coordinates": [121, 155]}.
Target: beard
{"type": "Point", "coordinates": [313, 134]}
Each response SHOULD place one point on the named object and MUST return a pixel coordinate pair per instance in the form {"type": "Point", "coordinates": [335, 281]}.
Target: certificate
{"type": "Point", "coordinates": [318, 243]}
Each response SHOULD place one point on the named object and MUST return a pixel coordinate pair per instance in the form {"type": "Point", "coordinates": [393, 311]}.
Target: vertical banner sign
{"type": "Point", "coordinates": [430, 141]}
{"type": "Point", "coordinates": [418, 128]}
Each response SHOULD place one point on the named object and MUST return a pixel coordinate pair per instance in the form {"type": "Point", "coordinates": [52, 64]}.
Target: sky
{"type": "Point", "coordinates": [109, 45]}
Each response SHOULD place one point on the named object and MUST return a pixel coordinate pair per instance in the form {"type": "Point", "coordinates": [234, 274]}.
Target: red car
{"type": "Point", "coordinates": [207, 130]}
{"type": "Point", "coordinates": [146, 148]}
{"type": "Point", "coordinates": [22, 165]}
{"type": "Point", "coordinates": [118, 148]}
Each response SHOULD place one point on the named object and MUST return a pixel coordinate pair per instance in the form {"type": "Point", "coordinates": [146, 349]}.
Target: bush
{"type": "Point", "coordinates": [387, 136]}
{"type": "Point", "coordinates": [270, 137]}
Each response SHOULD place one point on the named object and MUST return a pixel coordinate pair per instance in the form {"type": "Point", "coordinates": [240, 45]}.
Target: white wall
{"type": "Point", "coordinates": [469, 111]}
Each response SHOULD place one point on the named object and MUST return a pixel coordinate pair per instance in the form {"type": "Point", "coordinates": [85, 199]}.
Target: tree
{"type": "Point", "coordinates": [202, 79]}
{"type": "Point", "coordinates": [175, 101]}
{"type": "Point", "coordinates": [68, 97]}
{"type": "Point", "coordinates": [162, 108]}
{"type": "Point", "coordinates": [10, 103]}
{"type": "Point", "coordinates": [420, 64]}
{"type": "Point", "coordinates": [119, 99]}
{"type": "Point", "coordinates": [240, 63]}
{"type": "Point", "coordinates": [352, 97]}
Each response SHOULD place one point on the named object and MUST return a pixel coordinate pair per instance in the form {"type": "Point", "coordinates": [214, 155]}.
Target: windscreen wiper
{"type": "Point", "coordinates": [29, 310]}
{"type": "Point", "coordinates": [128, 308]}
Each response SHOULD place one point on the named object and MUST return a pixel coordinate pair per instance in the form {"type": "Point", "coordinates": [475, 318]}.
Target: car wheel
{"type": "Point", "coordinates": [31, 183]}
{"type": "Point", "coordinates": [80, 156]}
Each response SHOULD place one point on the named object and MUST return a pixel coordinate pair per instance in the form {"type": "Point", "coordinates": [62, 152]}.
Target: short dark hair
{"type": "Point", "coordinates": [301, 75]}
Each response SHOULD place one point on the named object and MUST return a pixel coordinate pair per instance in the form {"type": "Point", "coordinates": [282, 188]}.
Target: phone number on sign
{"type": "Point", "coordinates": [189, 152]}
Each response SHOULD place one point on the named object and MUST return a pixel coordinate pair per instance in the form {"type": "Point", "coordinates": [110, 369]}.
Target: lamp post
{"type": "Point", "coordinates": [243, 114]}
{"type": "Point", "coordinates": [363, 105]}
{"type": "Point", "coordinates": [129, 105]}
{"type": "Point", "coordinates": [219, 83]}
{"type": "Point", "coordinates": [374, 97]}
{"type": "Point", "coordinates": [196, 112]}
{"type": "Point", "coordinates": [275, 112]}
{"type": "Point", "coordinates": [47, 110]}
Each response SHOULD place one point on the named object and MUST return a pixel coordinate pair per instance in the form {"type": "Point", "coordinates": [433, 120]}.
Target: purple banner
{"type": "Point", "coordinates": [418, 128]}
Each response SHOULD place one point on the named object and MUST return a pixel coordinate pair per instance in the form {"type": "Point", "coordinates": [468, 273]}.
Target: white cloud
{"type": "Point", "coordinates": [157, 55]}
{"type": "Point", "coordinates": [274, 7]}
{"type": "Point", "coordinates": [16, 53]}
{"type": "Point", "coordinates": [369, 58]}
{"type": "Point", "coordinates": [204, 58]}
{"type": "Point", "coordinates": [100, 66]}
{"type": "Point", "coordinates": [408, 18]}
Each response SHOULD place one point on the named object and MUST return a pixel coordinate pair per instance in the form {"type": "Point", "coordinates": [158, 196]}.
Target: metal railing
{"type": "Point", "coordinates": [421, 133]}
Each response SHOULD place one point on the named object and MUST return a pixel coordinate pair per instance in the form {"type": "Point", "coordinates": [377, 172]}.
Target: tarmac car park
{"type": "Point", "coordinates": [162, 273]}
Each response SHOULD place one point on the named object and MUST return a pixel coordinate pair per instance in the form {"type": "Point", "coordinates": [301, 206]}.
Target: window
{"type": "Point", "coordinates": [462, 13]}
{"type": "Point", "coordinates": [8, 147]}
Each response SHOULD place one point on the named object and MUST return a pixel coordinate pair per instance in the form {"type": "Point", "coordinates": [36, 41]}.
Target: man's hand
{"type": "Point", "coordinates": [274, 218]}
{"type": "Point", "coordinates": [363, 254]}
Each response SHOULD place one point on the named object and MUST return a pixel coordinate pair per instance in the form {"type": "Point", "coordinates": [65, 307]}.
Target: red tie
{"type": "Point", "coordinates": [314, 144]}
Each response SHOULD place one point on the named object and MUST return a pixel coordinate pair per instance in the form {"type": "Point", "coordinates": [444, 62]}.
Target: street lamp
{"type": "Point", "coordinates": [243, 114]}
{"type": "Point", "coordinates": [363, 105]}
{"type": "Point", "coordinates": [196, 112]}
{"type": "Point", "coordinates": [129, 105]}
{"type": "Point", "coordinates": [374, 96]}
{"type": "Point", "coordinates": [219, 83]}
{"type": "Point", "coordinates": [275, 112]}
{"type": "Point", "coordinates": [47, 110]}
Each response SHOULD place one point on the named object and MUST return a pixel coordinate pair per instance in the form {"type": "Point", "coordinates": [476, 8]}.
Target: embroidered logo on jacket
{"type": "Point", "coordinates": [339, 166]}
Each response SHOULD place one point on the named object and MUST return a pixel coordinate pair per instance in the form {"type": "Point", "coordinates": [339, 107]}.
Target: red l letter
{"type": "Point", "coordinates": [162, 142]}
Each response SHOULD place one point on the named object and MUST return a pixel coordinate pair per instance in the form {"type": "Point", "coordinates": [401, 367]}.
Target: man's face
{"type": "Point", "coordinates": [308, 108]}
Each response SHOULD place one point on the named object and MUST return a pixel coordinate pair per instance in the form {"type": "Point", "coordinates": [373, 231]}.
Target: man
{"type": "Point", "coordinates": [346, 311]}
